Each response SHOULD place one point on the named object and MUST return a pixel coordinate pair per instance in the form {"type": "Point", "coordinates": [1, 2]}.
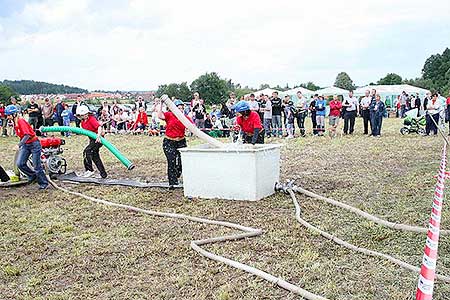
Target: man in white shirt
{"type": "Point", "coordinates": [267, 122]}
{"type": "Point", "coordinates": [351, 110]}
{"type": "Point", "coordinates": [432, 118]}
{"type": "Point", "coordinates": [302, 109]}
{"type": "Point", "coordinates": [365, 112]}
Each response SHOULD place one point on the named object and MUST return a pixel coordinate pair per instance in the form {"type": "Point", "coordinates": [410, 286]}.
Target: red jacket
{"type": "Point", "coordinates": [141, 118]}
{"type": "Point", "coordinates": [335, 108]}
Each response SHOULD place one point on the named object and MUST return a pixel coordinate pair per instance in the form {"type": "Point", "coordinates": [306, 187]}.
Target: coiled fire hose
{"type": "Point", "coordinates": [195, 245]}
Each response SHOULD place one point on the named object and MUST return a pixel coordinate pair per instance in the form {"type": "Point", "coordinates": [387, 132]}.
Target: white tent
{"type": "Point", "coordinates": [304, 91]}
{"type": "Point", "coordinates": [389, 93]}
{"type": "Point", "coordinates": [331, 91]}
{"type": "Point", "coordinates": [267, 91]}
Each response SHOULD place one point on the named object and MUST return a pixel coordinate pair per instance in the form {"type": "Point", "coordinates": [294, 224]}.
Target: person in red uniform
{"type": "Point", "coordinates": [92, 150]}
{"type": "Point", "coordinates": [173, 140]}
{"type": "Point", "coordinates": [250, 124]}
{"type": "Point", "coordinates": [29, 145]}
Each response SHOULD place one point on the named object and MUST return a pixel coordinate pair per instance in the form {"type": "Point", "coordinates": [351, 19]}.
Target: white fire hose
{"type": "Point", "coordinates": [191, 127]}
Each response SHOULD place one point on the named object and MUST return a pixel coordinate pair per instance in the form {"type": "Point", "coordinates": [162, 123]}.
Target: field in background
{"type": "Point", "coordinates": [56, 246]}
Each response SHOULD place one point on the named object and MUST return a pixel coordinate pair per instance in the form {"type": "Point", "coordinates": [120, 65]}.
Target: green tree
{"type": "Point", "coordinates": [179, 91]}
{"type": "Point", "coordinates": [344, 81]}
{"type": "Point", "coordinates": [437, 70]}
{"type": "Point", "coordinates": [264, 86]}
{"type": "Point", "coordinates": [309, 85]}
{"type": "Point", "coordinates": [30, 87]}
{"type": "Point", "coordinates": [390, 79]}
{"type": "Point", "coordinates": [211, 87]}
{"type": "Point", "coordinates": [6, 93]}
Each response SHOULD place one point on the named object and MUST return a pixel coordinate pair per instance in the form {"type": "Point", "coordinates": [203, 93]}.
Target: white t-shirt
{"type": "Point", "coordinates": [365, 102]}
{"type": "Point", "coordinates": [268, 110]}
{"type": "Point", "coordinates": [353, 103]}
{"type": "Point", "coordinates": [254, 105]}
{"type": "Point", "coordinates": [302, 103]}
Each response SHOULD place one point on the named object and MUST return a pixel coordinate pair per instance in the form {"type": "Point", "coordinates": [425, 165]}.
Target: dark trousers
{"type": "Point", "coordinates": [77, 122]}
{"type": "Point", "coordinates": [314, 122]}
{"type": "Point", "coordinates": [366, 120]}
{"type": "Point", "coordinates": [349, 119]}
{"type": "Point", "coordinates": [376, 122]}
{"type": "Point", "coordinates": [301, 116]}
{"type": "Point", "coordinates": [33, 150]}
{"type": "Point", "coordinates": [3, 176]}
{"type": "Point", "coordinates": [430, 126]}
{"type": "Point", "coordinates": [173, 156]}
{"type": "Point", "coordinates": [33, 121]}
{"type": "Point", "coordinates": [259, 140]}
{"type": "Point", "coordinates": [48, 122]}
{"type": "Point", "coordinates": [92, 154]}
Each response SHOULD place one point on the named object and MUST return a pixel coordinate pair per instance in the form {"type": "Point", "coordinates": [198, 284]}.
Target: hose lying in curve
{"type": "Point", "coordinates": [353, 247]}
{"type": "Point", "coordinates": [195, 245]}
{"type": "Point", "coordinates": [92, 135]}
{"type": "Point", "coordinates": [377, 220]}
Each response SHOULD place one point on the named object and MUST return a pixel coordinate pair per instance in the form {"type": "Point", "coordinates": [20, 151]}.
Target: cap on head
{"type": "Point", "coordinates": [241, 106]}
{"type": "Point", "coordinates": [11, 110]}
{"type": "Point", "coordinates": [82, 110]}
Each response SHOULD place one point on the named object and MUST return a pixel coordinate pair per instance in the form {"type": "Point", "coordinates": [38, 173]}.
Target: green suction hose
{"type": "Point", "coordinates": [92, 135]}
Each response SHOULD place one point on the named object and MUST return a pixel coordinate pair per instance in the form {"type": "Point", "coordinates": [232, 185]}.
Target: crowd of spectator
{"type": "Point", "coordinates": [280, 117]}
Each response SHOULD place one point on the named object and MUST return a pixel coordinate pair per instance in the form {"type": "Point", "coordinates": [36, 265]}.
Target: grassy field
{"type": "Point", "coordinates": [57, 246]}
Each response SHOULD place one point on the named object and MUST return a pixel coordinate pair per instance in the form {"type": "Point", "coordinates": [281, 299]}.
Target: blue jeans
{"type": "Point", "coordinates": [277, 128]}
{"type": "Point", "coordinates": [267, 126]}
{"type": "Point", "coordinates": [33, 149]}
{"type": "Point", "coordinates": [377, 121]}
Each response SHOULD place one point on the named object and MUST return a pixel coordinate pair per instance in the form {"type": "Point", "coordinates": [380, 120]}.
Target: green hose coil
{"type": "Point", "coordinates": [92, 135]}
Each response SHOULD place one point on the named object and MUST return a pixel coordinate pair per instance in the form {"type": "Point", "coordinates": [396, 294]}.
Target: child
{"type": "Point", "coordinates": [66, 114]}
{"type": "Point", "coordinates": [29, 145]}
{"type": "Point", "coordinates": [92, 150]}
{"type": "Point", "coordinates": [290, 116]}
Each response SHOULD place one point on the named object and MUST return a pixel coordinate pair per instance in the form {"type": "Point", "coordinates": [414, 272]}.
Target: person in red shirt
{"type": "Point", "coordinates": [335, 113]}
{"type": "Point", "coordinates": [173, 140]}
{"type": "Point", "coordinates": [92, 150]}
{"type": "Point", "coordinates": [249, 123]}
{"type": "Point", "coordinates": [141, 120]}
{"type": "Point", "coordinates": [29, 145]}
{"type": "Point", "coordinates": [2, 120]}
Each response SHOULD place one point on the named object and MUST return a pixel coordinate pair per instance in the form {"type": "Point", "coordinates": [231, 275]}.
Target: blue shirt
{"type": "Point", "coordinates": [66, 114]}
{"type": "Point", "coordinates": [321, 107]}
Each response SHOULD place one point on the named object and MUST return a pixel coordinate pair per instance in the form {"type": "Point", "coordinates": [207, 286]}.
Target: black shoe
{"type": "Point", "coordinates": [171, 188]}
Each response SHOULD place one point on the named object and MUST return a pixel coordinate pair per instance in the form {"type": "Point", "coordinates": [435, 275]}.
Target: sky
{"type": "Point", "coordinates": [140, 44]}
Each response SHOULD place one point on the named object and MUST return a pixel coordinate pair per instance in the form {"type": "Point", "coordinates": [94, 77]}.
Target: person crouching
{"type": "Point", "coordinates": [249, 123]}
{"type": "Point", "coordinates": [29, 145]}
{"type": "Point", "coordinates": [92, 150]}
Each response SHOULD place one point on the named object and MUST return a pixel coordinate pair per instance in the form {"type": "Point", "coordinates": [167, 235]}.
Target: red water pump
{"type": "Point", "coordinates": [51, 151]}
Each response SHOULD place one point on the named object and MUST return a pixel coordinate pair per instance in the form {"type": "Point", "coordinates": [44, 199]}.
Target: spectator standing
{"type": "Point", "coordinates": [215, 112]}
{"type": "Point", "coordinates": [313, 111]}
{"type": "Point", "coordinates": [417, 104]}
{"type": "Point", "coordinates": [199, 114]}
{"type": "Point", "coordinates": [78, 103]}
{"type": "Point", "coordinates": [448, 111]}
{"type": "Point", "coordinates": [254, 105]}
{"type": "Point", "coordinates": [33, 111]}
{"type": "Point", "coordinates": [302, 110]}
{"type": "Point", "coordinates": [17, 105]}
{"type": "Point", "coordinates": [351, 110]}
{"type": "Point", "coordinates": [320, 115]}
{"type": "Point", "coordinates": [365, 111]}
{"type": "Point", "coordinates": [47, 112]}
{"type": "Point", "coordinates": [335, 113]}
{"type": "Point", "coordinates": [2, 120]}
{"type": "Point", "coordinates": [377, 112]}
{"type": "Point", "coordinates": [403, 102]}
{"type": "Point", "coordinates": [433, 110]}
{"type": "Point", "coordinates": [59, 108]}
{"type": "Point", "coordinates": [140, 103]}
{"type": "Point", "coordinates": [66, 115]}
{"type": "Point", "coordinates": [276, 115]}
{"type": "Point", "coordinates": [267, 117]}
{"type": "Point", "coordinates": [290, 117]}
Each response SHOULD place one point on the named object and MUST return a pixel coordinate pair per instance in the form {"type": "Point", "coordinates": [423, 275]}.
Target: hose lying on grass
{"type": "Point", "coordinates": [377, 220]}
{"type": "Point", "coordinates": [353, 247]}
{"type": "Point", "coordinates": [195, 245]}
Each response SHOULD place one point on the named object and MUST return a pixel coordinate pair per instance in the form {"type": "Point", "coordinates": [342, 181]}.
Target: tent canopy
{"type": "Point", "coordinates": [301, 89]}
{"type": "Point", "coordinates": [390, 90]}
{"type": "Point", "coordinates": [267, 91]}
{"type": "Point", "coordinates": [332, 90]}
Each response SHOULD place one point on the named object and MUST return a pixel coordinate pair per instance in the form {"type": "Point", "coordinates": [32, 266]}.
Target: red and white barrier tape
{"type": "Point", "coordinates": [428, 270]}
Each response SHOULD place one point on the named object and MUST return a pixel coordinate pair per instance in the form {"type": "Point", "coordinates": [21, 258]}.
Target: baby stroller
{"type": "Point", "coordinates": [413, 124]}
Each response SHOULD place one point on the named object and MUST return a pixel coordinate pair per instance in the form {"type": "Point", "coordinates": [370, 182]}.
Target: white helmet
{"type": "Point", "coordinates": [82, 110]}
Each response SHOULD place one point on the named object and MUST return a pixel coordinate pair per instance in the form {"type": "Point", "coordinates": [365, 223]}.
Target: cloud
{"type": "Point", "coordinates": [141, 44]}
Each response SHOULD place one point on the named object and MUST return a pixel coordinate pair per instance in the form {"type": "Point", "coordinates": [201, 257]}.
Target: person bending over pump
{"type": "Point", "coordinates": [92, 150]}
{"type": "Point", "coordinates": [29, 145]}
{"type": "Point", "coordinates": [173, 141]}
{"type": "Point", "coordinates": [249, 123]}
{"type": "Point", "coordinates": [3, 175]}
